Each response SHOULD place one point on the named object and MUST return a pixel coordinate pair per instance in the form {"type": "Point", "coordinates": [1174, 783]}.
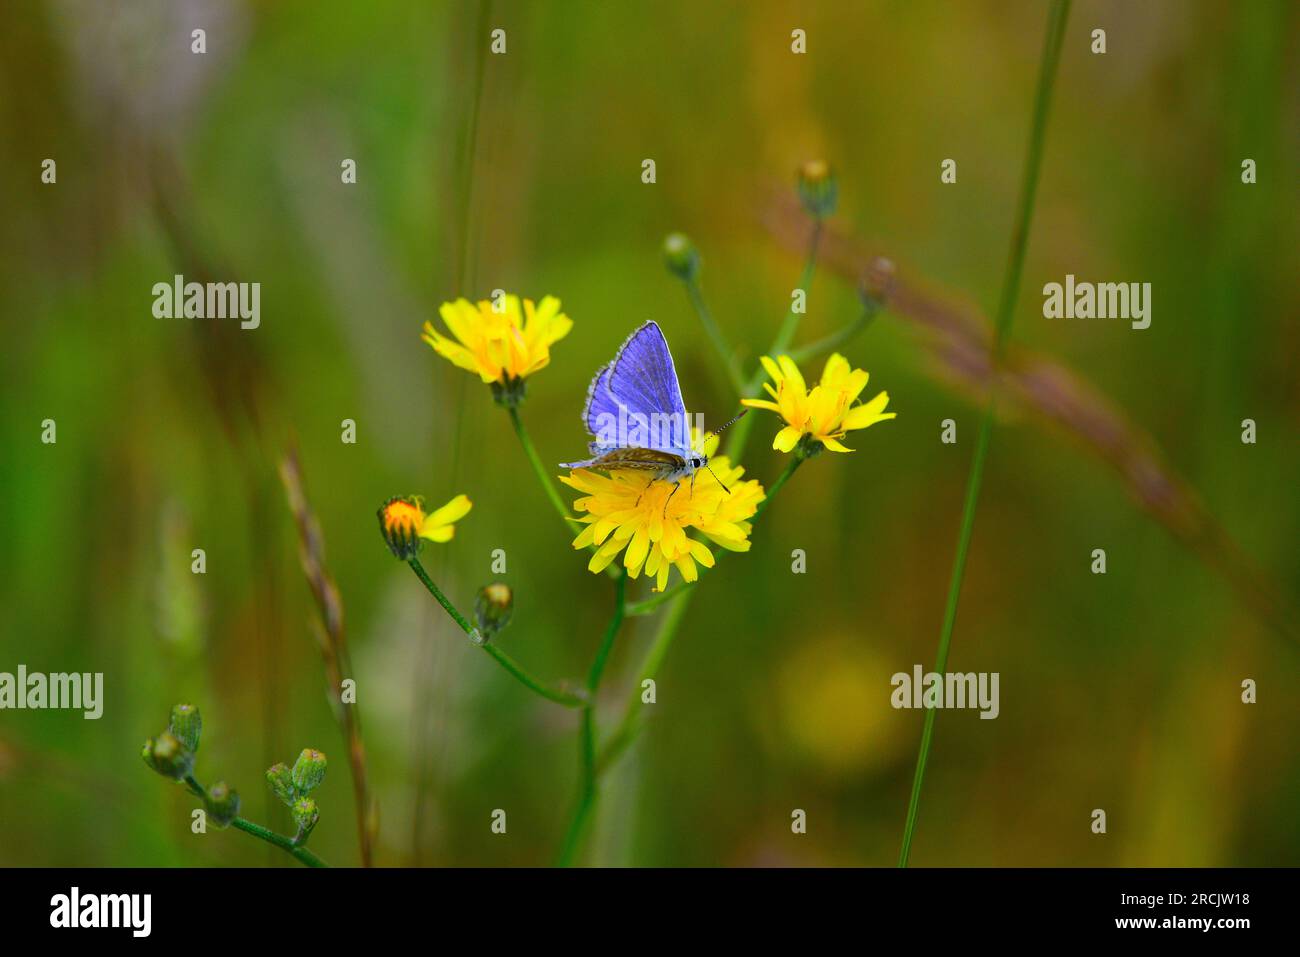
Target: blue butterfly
{"type": "Point", "coordinates": [636, 415]}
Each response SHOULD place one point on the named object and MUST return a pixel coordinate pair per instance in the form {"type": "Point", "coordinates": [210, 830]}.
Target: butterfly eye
{"type": "Point", "coordinates": [696, 462]}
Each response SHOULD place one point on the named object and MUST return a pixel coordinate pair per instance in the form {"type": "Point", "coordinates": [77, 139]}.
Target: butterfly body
{"type": "Point", "coordinates": [665, 466]}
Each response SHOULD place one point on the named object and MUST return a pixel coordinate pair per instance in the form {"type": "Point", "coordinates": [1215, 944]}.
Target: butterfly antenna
{"type": "Point", "coordinates": [734, 418]}
{"type": "Point", "coordinates": [711, 472]}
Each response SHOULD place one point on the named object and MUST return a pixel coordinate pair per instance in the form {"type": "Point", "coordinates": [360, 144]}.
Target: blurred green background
{"type": "Point", "coordinates": [1119, 692]}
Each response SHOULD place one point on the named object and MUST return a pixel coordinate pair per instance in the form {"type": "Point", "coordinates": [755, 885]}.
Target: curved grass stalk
{"type": "Point", "coordinates": [1056, 20]}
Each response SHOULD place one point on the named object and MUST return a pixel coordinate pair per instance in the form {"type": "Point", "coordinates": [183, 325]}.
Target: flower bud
{"type": "Point", "coordinates": [493, 607]}
{"type": "Point", "coordinates": [281, 780]}
{"type": "Point", "coordinates": [223, 803]}
{"type": "Point", "coordinates": [166, 755]}
{"type": "Point", "coordinates": [305, 813]}
{"type": "Point", "coordinates": [681, 256]}
{"type": "Point", "coordinates": [877, 282]}
{"type": "Point", "coordinates": [308, 771]}
{"type": "Point", "coordinates": [186, 725]}
{"type": "Point", "coordinates": [400, 521]}
{"type": "Point", "coordinates": [817, 188]}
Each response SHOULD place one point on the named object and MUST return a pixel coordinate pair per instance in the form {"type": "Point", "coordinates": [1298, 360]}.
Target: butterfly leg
{"type": "Point", "coordinates": [676, 486]}
{"type": "Point", "coordinates": [653, 479]}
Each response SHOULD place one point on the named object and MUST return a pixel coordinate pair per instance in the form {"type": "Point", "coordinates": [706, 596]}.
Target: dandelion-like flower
{"type": "Point", "coordinates": [405, 526]}
{"type": "Point", "coordinates": [646, 521]}
{"type": "Point", "coordinates": [503, 342]}
{"type": "Point", "coordinates": [826, 412]}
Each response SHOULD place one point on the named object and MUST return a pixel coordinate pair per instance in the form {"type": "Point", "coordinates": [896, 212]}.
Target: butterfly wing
{"type": "Point", "coordinates": [642, 379]}
{"type": "Point", "coordinates": [601, 409]}
{"type": "Point", "coordinates": [638, 389]}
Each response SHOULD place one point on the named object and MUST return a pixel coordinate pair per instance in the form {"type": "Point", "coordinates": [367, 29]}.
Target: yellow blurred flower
{"type": "Point", "coordinates": [825, 706]}
{"type": "Point", "coordinates": [626, 510]}
{"type": "Point", "coordinates": [404, 524]}
{"type": "Point", "coordinates": [502, 343]}
{"type": "Point", "coordinates": [827, 411]}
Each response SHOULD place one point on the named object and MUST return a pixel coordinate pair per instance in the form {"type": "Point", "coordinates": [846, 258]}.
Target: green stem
{"type": "Point", "coordinates": [630, 724]}
{"type": "Point", "coordinates": [834, 340]}
{"type": "Point", "coordinates": [266, 834]}
{"type": "Point", "coordinates": [551, 694]}
{"type": "Point", "coordinates": [513, 667]}
{"type": "Point", "coordinates": [799, 456]}
{"type": "Point", "coordinates": [785, 334]}
{"type": "Point", "coordinates": [724, 350]}
{"type": "Point", "coordinates": [279, 840]}
{"type": "Point", "coordinates": [587, 735]}
{"type": "Point", "coordinates": [474, 634]}
{"type": "Point", "coordinates": [543, 475]}
{"type": "Point", "coordinates": [1006, 310]}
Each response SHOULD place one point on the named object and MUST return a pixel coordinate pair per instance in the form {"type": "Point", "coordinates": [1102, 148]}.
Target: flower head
{"type": "Point", "coordinates": [681, 256]}
{"type": "Point", "coordinates": [223, 803]}
{"type": "Point", "coordinates": [404, 524]}
{"type": "Point", "coordinates": [504, 341]}
{"type": "Point", "coordinates": [493, 607]}
{"type": "Point", "coordinates": [308, 771]}
{"type": "Point", "coordinates": [647, 520]}
{"type": "Point", "coordinates": [817, 188]}
{"type": "Point", "coordinates": [824, 413]}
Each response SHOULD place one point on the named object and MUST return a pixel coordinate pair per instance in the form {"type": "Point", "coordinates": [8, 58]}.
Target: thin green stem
{"type": "Point", "coordinates": [279, 840]}
{"type": "Point", "coordinates": [799, 456]}
{"type": "Point", "coordinates": [443, 600]}
{"type": "Point", "coordinates": [565, 698]}
{"type": "Point", "coordinates": [720, 344]}
{"type": "Point", "coordinates": [630, 724]}
{"type": "Point", "coordinates": [587, 733]}
{"type": "Point", "coordinates": [785, 334]}
{"type": "Point", "coordinates": [1006, 309]}
{"type": "Point", "coordinates": [834, 340]}
{"type": "Point", "coordinates": [543, 475]}
{"type": "Point", "coordinates": [286, 844]}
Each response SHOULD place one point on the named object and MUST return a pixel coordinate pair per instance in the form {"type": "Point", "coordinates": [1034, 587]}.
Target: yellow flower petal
{"type": "Point", "coordinates": [453, 511]}
{"type": "Point", "coordinates": [438, 533]}
{"type": "Point", "coordinates": [869, 413]}
{"type": "Point", "coordinates": [786, 439]}
{"type": "Point", "coordinates": [500, 346]}
{"type": "Point", "coordinates": [793, 377]}
{"type": "Point", "coordinates": [835, 369]}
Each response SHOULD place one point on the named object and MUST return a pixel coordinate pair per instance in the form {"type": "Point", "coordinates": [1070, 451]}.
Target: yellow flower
{"type": "Point", "coordinates": [501, 347]}
{"type": "Point", "coordinates": [626, 510]}
{"type": "Point", "coordinates": [826, 412]}
{"type": "Point", "coordinates": [404, 524]}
